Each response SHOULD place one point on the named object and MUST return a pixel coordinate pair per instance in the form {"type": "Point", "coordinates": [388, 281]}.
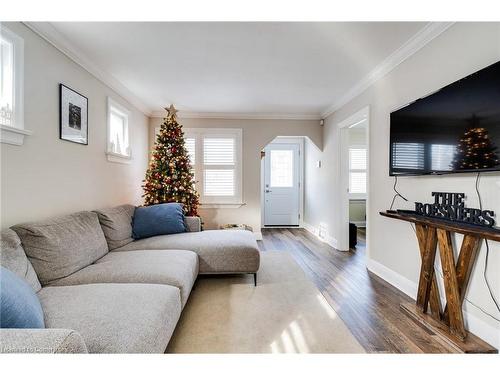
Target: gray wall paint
{"type": "Point", "coordinates": [47, 176]}
{"type": "Point", "coordinates": [458, 52]}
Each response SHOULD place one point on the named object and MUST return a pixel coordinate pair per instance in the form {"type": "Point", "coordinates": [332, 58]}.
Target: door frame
{"type": "Point", "coordinates": [292, 140]}
{"type": "Point", "coordinates": [343, 157]}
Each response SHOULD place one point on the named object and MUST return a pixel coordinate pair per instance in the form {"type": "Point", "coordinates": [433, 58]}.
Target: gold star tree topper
{"type": "Point", "coordinates": [171, 111]}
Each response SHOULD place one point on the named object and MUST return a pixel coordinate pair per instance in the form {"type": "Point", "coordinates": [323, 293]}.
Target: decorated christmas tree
{"type": "Point", "coordinates": [169, 177]}
{"type": "Point", "coordinates": [475, 149]}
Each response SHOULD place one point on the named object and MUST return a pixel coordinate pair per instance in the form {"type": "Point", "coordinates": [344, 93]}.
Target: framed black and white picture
{"type": "Point", "coordinates": [73, 116]}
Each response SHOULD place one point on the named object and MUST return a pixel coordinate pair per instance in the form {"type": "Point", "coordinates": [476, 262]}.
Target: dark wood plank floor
{"type": "Point", "coordinates": [367, 304]}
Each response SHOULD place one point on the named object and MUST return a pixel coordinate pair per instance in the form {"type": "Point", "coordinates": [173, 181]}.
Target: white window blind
{"type": "Point", "coordinates": [218, 151]}
{"type": "Point", "coordinates": [218, 168]}
{"type": "Point", "coordinates": [219, 163]}
{"type": "Point", "coordinates": [408, 155]}
{"type": "Point", "coordinates": [219, 183]}
{"type": "Point", "coordinates": [357, 170]}
{"type": "Point", "coordinates": [357, 158]}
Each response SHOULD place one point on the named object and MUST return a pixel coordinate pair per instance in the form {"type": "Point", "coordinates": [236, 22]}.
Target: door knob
{"type": "Point", "coordinates": [268, 191]}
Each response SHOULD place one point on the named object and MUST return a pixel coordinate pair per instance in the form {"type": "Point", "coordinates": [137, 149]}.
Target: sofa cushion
{"type": "Point", "coordinates": [219, 251]}
{"type": "Point", "coordinates": [116, 223]}
{"type": "Point", "coordinates": [58, 247]}
{"type": "Point", "coordinates": [165, 218]}
{"type": "Point", "coordinates": [41, 341]}
{"type": "Point", "coordinates": [19, 305]}
{"type": "Point", "coordinates": [178, 268]}
{"type": "Point", "coordinates": [13, 257]}
{"type": "Point", "coordinates": [115, 318]}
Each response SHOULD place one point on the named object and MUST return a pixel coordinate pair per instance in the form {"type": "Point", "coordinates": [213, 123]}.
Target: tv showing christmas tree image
{"type": "Point", "coordinates": [456, 129]}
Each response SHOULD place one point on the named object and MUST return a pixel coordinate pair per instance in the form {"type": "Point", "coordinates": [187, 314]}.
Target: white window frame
{"type": "Point", "coordinates": [213, 201]}
{"type": "Point", "coordinates": [113, 156]}
{"type": "Point", "coordinates": [14, 133]}
{"type": "Point", "coordinates": [365, 171]}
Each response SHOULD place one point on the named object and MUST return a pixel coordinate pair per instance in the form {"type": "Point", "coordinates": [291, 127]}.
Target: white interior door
{"type": "Point", "coordinates": [281, 184]}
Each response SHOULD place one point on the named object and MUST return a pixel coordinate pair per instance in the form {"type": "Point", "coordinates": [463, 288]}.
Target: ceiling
{"type": "Point", "coordinates": [282, 68]}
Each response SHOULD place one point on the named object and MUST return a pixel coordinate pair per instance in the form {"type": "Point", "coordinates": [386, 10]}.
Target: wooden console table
{"type": "Point", "coordinates": [447, 322]}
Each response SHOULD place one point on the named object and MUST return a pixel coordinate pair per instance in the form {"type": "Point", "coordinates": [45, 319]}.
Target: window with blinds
{"type": "Point", "coordinates": [357, 170]}
{"type": "Point", "coordinates": [11, 86]}
{"type": "Point", "coordinates": [118, 133]}
{"type": "Point", "coordinates": [215, 156]}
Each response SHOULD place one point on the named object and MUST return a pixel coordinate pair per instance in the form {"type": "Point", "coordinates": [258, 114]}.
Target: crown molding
{"type": "Point", "coordinates": [56, 39]}
{"type": "Point", "coordinates": [414, 44]}
{"type": "Point", "coordinates": [242, 116]}
{"type": "Point", "coordinates": [433, 29]}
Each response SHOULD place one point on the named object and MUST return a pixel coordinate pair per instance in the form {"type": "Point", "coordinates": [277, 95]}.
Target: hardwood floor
{"type": "Point", "coordinates": [367, 304]}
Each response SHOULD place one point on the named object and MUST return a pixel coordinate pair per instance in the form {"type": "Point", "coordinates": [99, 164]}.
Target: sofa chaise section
{"type": "Point", "coordinates": [219, 251]}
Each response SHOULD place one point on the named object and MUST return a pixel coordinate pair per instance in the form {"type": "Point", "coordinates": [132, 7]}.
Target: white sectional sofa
{"type": "Point", "coordinates": [103, 292]}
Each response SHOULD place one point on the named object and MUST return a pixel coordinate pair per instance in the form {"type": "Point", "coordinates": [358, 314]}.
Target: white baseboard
{"type": "Point", "coordinates": [408, 287]}
{"type": "Point", "coordinates": [324, 237]}
{"type": "Point", "coordinates": [479, 327]}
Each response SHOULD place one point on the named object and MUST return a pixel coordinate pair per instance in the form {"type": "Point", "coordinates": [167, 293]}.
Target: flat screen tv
{"type": "Point", "coordinates": [456, 129]}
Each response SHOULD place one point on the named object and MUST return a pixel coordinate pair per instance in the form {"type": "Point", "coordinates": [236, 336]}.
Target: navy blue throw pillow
{"type": "Point", "coordinates": [165, 218]}
{"type": "Point", "coordinates": [19, 305]}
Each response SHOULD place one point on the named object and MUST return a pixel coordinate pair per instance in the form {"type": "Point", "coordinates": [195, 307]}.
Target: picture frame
{"type": "Point", "coordinates": [73, 116]}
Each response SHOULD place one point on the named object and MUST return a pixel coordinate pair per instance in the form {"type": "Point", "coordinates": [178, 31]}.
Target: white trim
{"type": "Point", "coordinates": [56, 39]}
{"type": "Point", "coordinates": [322, 237]}
{"type": "Point", "coordinates": [400, 282]}
{"type": "Point", "coordinates": [485, 331]}
{"type": "Point", "coordinates": [221, 205]}
{"type": "Point", "coordinates": [18, 83]}
{"type": "Point", "coordinates": [242, 115]}
{"type": "Point", "coordinates": [344, 172]}
{"type": "Point", "coordinates": [12, 135]}
{"type": "Point", "coordinates": [48, 32]}
{"type": "Point", "coordinates": [413, 45]}
{"type": "Point", "coordinates": [118, 158]}
{"type": "Point", "coordinates": [357, 196]}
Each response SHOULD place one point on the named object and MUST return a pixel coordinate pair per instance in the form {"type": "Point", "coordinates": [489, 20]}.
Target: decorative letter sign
{"type": "Point", "coordinates": [451, 206]}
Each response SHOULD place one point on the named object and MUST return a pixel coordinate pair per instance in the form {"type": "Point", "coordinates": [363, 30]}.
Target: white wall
{"type": "Point", "coordinates": [47, 176]}
{"type": "Point", "coordinates": [256, 135]}
{"type": "Point", "coordinates": [458, 52]}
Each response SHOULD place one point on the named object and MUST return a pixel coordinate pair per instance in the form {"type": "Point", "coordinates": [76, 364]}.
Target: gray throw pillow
{"type": "Point", "coordinates": [61, 246]}
{"type": "Point", "coordinates": [116, 223]}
